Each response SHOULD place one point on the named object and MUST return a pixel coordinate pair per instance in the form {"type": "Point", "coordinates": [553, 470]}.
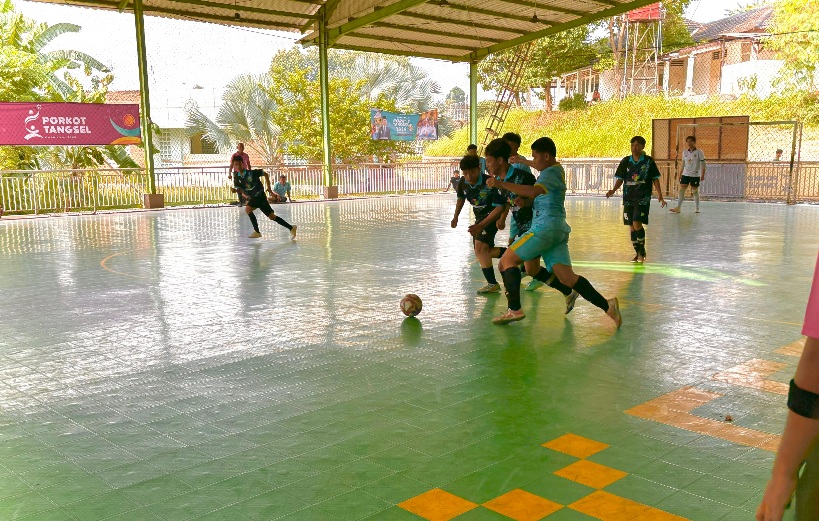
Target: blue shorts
{"type": "Point", "coordinates": [515, 230]}
{"type": "Point", "coordinates": [550, 245]}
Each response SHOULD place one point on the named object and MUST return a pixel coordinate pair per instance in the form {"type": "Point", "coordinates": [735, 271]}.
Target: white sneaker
{"type": "Point", "coordinates": [254, 235]}
{"type": "Point", "coordinates": [533, 285]}
{"type": "Point", "coordinates": [489, 288]}
{"type": "Point", "coordinates": [570, 300]}
{"type": "Point", "coordinates": [293, 233]}
{"type": "Point", "coordinates": [509, 317]}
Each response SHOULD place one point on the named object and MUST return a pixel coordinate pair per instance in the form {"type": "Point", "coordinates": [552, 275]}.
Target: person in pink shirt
{"type": "Point", "coordinates": [240, 152]}
{"type": "Point", "coordinates": [800, 441]}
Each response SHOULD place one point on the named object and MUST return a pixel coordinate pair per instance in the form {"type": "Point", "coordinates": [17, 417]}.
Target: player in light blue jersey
{"type": "Point", "coordinates": [548, 238]}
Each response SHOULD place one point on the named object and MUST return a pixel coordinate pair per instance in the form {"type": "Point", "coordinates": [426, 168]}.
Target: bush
{"type": "Point", "coordinates": [576, 102]}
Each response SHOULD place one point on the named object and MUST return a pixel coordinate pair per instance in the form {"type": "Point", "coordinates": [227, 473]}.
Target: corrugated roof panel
{"type": "Point", "coordinates": [453, 41]}
{"type": "Point", "coordinates": [386, 45]}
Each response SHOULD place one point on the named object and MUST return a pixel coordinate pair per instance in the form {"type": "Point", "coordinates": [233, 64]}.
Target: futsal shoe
{"type": "Point", "coordinates": [293, 232]}
{"type": "Point", "coordinates": [533, 285]}
{"type": "Point", "coordinates": [570, 300]}
{"type": "Point", "coordinates": [614, 312]}
{"type": "Point", "coordinates": [697, 210]}
{"type": "Point", "coordinates": [636, 259]}
{"type": "Point", "coordinates": [509, 317]}
{"type": "Point", "coordinates": [674, 210]}
{"type": "Point", "coordinates": [489, 288]}
{"type": "Point", "coordinates": [254, 235]}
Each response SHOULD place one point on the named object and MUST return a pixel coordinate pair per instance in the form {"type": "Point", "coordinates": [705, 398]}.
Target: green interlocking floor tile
{"type": "Point", "coordinates": [56, 514]}
{"type": "Point", "coordinates": [621, 459]}
{"type": "Point", "coordinates": [101, 507]}
{"type": "Point", "coordinates": [238, 488]}
{"type": "Point", "coordinates": [668, 474]}
{"type": "Point", "coordinates": [360, 472]}
{"type": "Point", "coordinates": [558, 489]}
{"type": "Point", "coordinates": [312, 513]}
{"type": "Point", "coordinates": [693, 459]}
{"type": "Point", "coordinates": [393, 514]}
{"type": "Point", "coordinates": [270, 505]}
{"type": "Point", "coordinates": [693, 507]}
{"type": "Point", "coordinates": [398, 458]}
{"type": "Point", "coordinates": [106, 459]}
{"type": "Point", "coordinates": [207, 473]}
{"type": "Point", "coordinates": [721, 490]}
{"type": "Point", "coordinates": [297, 444]}
{"type": "Point", "coordinates": [641, 490]}
{"type": "Point", "coordinates": [130, 473]}
{"type": "Point", "coordinates": [435, 472]}
{"type": "Point", "coordinates": [225, 446]}
{"type": "Point", "coordinates": [481, 514]}
{"type": "Point", "coordinates": [317, 488]}
{"type": "Point", "coordinates": [22, 505]}
{"type": "Point", "coordinates": [364, 444]}
{"type": "Point", "coordinates": [646, 446]}
{"type": "Point", "coordinates": [224, 514]}
{"type": "Point", "coordinates": [179, 459]}
{"type": "Point", "coordinates": [758, 457]}
{"type": "Point", "coordinates": [11, 485]}
{"type": "Point", "coordinates": [567, 514]}
{"type": "Point", "coordinates": [325, 459]}
{"type": "Point", "coordinates": [744, 474]}
{"type": "Point", "coordinates": [67, 492]}
{"type": "Point", "coordinates": [353, 505]}
{"type": "Point", "coordinates": [743, 515]}
{"type": "Point", "coordinates": [186, 506]}
{"type": "Point", "coordinates": [155, 490]}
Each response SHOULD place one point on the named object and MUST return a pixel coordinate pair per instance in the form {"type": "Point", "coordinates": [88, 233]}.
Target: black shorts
{"type": "Point", "coordinates": [487, 235]}
{"type": "Point", "coordinates": [688, 180]}
{"type": "Point", "coordinates": [260, 202]}
{"type": "Point", "coordinates": [633, 213]}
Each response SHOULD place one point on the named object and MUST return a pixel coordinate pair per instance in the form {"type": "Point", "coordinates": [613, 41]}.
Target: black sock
{"type": "Point", "coordinates": [502, 251]}
{"type": "Point", "coordinates": [489, 275]}
{"type": "Point", "coordinates": [548, 278]}
{"type": "Point", "coordinates": [588, 292]}
{"type": "Point", "coordinates": [254, 222]}
{"type": "Point", "coordinates": [511, 281]}
{"type": "Point", "coordinates": [634, 241]}
{"type": "Point", "coordinates": [641, 241]}
{"type": "Point", "coordinates": [282, 222]}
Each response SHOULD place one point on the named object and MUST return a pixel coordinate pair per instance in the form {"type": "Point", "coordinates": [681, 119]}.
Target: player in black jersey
{"type": "Point", "coordinates": [487, 205]}
{"type": "Point", "coordinates": [248, 184]}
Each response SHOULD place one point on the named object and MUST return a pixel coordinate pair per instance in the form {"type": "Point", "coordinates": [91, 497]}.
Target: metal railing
{"type": "Point", "coordinates": [26, 191]}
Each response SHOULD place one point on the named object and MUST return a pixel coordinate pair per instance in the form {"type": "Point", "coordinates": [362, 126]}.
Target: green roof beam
{"type": "Point", "coordinates": [249, 9]}
{"type": "Point", "coordinates": [544, 8]}
{"type": "Point", "coordinates": [489, 27]}
{"type": "Point", "coordinates": [487, 12]}
{"type": "Point", "coordinates": [379, 14]}
{"type": "Point", "coordinates": [410, 42]}
{"type": "Point", "coordinates": [393, 52]}
{"type": "Point", "coordinates": [410, 29]}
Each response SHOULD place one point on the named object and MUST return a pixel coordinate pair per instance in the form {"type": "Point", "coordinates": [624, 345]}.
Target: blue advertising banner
{"type": "Point", "coordinates": [394, 126]}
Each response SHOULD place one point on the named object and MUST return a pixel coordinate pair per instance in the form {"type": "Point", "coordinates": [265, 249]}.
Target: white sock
{"type": "Point", "coordinates": [681, 197]}
{"type": "Point", "coordinates": [697, 198]}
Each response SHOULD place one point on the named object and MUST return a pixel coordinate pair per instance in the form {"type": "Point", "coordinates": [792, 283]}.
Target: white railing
{"type": "Point", "coordinates": [26, 191]}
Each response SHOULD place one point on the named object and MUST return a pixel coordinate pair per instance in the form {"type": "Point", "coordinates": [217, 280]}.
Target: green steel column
{"type": "Point", "coordinates": [473, 101]}
{"type": "Point", "coordinates": [325, 101]}
{"type": "Point", "coordinates": [144, 97]}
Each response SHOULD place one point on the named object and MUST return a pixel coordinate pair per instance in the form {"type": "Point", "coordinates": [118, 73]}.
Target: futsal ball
{"type": "Point", "coordinates": [411, 305]}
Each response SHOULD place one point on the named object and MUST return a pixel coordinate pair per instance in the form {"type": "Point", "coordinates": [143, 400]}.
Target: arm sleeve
{"type": "Point", "coordinates": [811, 324]}
{"type": "Point", "coordinates": [460, 189]}
{"type": "Point", "coordinates": [622, 170]}
{"type": "Point", "coordinates": [702, 156]}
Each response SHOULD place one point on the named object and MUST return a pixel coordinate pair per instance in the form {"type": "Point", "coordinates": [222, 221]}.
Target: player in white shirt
{"type": "Point", "coordinates": [693, 173]}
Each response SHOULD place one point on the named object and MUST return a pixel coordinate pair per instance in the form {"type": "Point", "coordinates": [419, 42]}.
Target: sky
{"type": "Point", "coordinates": [184, 54]}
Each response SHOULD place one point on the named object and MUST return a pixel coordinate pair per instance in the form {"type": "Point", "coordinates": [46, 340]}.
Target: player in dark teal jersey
{"type": "Point", "coordinates": [248, 184]}
{"type": "Point", "coordinates": [639, 173]}
{"type": "Point", "coordinates": [487, 205]}
{"type": "Point", "coordinates": [548, 237]}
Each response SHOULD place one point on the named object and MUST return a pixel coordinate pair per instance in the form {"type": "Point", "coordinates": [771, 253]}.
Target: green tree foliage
{"type": "Point", "coordinates": [28, 72]}
{"type": "Point", "coordinates": [456, 95]}
{"type": "Point", "coordinates": [298, 116]}
{"type": "Point", "coordinates": [245, 116]}
{"type": "Point", "coordinates": [796, 40]}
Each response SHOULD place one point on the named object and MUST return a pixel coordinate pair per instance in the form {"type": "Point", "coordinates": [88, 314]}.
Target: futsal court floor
{"type": "Point", "coordinates": [161, 365]}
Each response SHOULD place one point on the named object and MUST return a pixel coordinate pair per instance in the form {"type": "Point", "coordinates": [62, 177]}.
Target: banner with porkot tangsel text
{"type": "Point", "coordinates": [69, 124]}
{"type": "Point", "coordinates": [394, 126]}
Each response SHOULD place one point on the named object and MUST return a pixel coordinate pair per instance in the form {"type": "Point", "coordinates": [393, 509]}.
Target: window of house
{"type": "Point", "coordinates": [165, 146]}
{"type": "Point", "coordinates": [716, 55]}
{"type": "Point", "coordinates": [201, 145]}
{"type": "Point", "coordinates": [678, 63]}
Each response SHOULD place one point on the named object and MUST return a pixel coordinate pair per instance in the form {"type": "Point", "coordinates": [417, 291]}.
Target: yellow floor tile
{"type": "Point", "coordinates": [575, 445]}
{"type": "Point", "coordinates": [792, 349]}
{"type": "Point", "coordinates": [754, 374]}
{"type": "Point", "coordinates": [608, 507]}
{"type": "Point", "coordinates": [522, 506]}
{"type": "Point", "coordinates": [591, 474]}
{"type": "Point", "coordinates": [437, 505]}
{"type": "Point", "coordinates": [653, 514]}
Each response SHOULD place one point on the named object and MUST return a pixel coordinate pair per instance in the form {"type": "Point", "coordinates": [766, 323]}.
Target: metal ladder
{"type": "Point", "coordinates": [511, 85]}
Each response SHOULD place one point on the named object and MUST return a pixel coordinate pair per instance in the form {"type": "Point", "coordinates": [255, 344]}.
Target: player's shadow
{"type": "Point", "coordinates": [411, 331]}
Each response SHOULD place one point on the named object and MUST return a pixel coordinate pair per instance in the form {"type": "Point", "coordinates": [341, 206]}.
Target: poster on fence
{"type": "Point", "coordinates": [394, 126]}
{"type": "Point", "coordinates": [69, 124]}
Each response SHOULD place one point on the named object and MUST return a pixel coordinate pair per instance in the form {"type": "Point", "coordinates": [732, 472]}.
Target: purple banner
{"type": "Point", "coordinates": [69, 124]}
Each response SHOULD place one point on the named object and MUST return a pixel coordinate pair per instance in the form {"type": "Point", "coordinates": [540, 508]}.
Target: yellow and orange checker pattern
{"type": "Point", "coordinates": [161, 366]}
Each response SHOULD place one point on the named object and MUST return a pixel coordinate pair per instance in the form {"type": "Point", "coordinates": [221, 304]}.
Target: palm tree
{"type": "Point", "coordinates": [243, 117]}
